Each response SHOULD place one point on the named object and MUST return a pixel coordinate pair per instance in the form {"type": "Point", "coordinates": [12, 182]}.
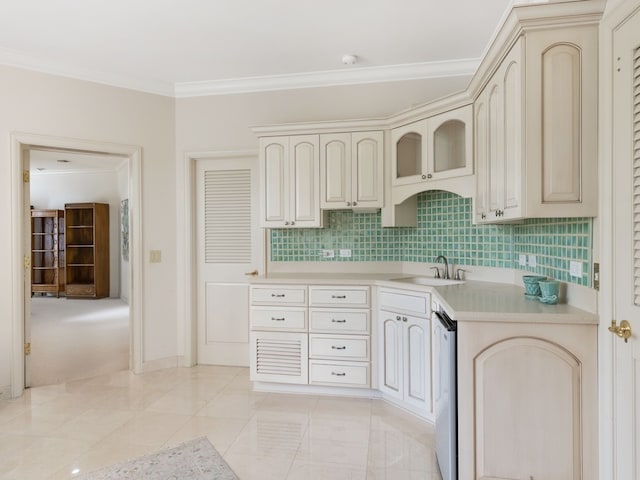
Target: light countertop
{"type": "Point", "coordinates": [470, 301]}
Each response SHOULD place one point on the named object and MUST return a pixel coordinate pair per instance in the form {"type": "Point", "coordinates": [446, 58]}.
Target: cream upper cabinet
{"type": "Point", "coordinates": [290, 181]}
{"type": "Point", "coordinates": [435, 148]}
{"type": "Point", "coordinates": [352, 170]}
{"type": "Point", "coordinates": [536, 131]}
{"type": "Point", "coordinates": [498, 123]}
{"type": "Point", "coordinates": [527, 400]}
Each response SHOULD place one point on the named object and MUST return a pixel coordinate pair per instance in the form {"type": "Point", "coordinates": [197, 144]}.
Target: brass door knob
{"type": "Point", "coordinates": [623, 330]}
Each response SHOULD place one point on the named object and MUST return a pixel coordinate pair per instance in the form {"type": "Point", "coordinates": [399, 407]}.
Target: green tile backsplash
{"type": "Point", "coordinates": [444, 228]}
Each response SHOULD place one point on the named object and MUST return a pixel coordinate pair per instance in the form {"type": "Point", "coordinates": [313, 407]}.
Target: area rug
{"type": "Point", "coordinates": [193, 460]}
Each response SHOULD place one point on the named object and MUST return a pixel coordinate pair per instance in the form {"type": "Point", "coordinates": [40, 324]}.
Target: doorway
{"type": "Point", "coordinates": [21, 146]}
{"type": "Point", "coordinates": [73, 337]}
{"type": "Point", "coordinates": [192, 292]}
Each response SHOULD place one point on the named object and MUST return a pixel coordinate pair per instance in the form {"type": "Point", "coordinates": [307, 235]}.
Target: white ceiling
{"type": "Point", "coordinates": [196, 47]}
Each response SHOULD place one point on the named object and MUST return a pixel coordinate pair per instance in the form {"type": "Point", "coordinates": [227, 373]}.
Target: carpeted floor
{"type": "Point", "coordinates": [77, 338]}
{"type": "Point", "coordinates": [193, 460]}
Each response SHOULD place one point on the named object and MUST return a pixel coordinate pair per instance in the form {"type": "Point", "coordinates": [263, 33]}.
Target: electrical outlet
{"type": "Point", "coordinates": [533, 261]}
{"type": "Point", "coordinates": [155, 256]}
{"type": "Point", "coordinates": [345, 253]}
{"type": "Point", "coordinates": [328, 254]}
{"type": "Point", "coordinates": [522, 260]}
{"type": "Point", "coordinates": [575, 269]}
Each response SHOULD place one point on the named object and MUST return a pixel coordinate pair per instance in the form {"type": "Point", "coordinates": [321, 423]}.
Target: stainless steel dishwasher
{"type": "Point", "coordinates": [446, 400]}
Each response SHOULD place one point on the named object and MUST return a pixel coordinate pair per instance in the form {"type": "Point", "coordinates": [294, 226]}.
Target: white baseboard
{"type": "Point", "coordinates": [5, 392]}
{"type": "Point", "coordinates": [315, 390]}
{"type": "Point", "coordinates": [161, 364]}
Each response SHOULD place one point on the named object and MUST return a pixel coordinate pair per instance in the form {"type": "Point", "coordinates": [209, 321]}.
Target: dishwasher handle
{"type": "Point", "coordinates": [448, 324]}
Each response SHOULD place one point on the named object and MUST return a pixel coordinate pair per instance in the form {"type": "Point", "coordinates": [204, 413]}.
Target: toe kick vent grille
{"type": "Point", "coordinates": [280, 357]}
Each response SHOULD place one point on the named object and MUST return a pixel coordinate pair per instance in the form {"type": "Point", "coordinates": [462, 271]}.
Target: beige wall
{"type": "Point", "coordinates": [224, 122]}
{"type": "Point", "coordinates": [49, 105]}
{"type": "Point", "coordinates": [166, 128]}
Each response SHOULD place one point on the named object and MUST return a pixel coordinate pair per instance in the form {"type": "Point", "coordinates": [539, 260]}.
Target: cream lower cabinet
{"type": "Point", "coordinates": [320, 340]}
{"type": "Point", "coordinates": [339, 336]}
{"type": "Point", "coordinates": [405, 367]}
{"type": "Point", "coordinates": [290, 181]}
{"type": "Point", "coordinates": [352, 170]}
{"type": "Point", "coordinates": [535, 127]}
{"type": "Point", "coordinates": [527, 401]}
{"type": "Point", "coordinates": [278, 337]}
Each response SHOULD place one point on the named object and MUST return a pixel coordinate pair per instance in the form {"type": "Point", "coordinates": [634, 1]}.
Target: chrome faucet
{"type": "Point", "coordinates": [446, 265]}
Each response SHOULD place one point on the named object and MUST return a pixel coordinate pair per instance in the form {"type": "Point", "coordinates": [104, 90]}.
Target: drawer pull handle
{"type": "Point", "coordinates": [276, 319]}
{"type": "Point", "coordinates": [278, 295]}
{"type": "Point", "coordinates": [338, 348]}
{"type": "Point", "coordinates": [340, 297]}
{"type": "Point", "coordinates": [333, 320]}
{"type": "Point", "coordinates": [339, 374]}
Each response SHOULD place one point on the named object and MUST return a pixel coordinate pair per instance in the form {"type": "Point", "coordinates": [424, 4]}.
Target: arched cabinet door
{"type": "Point", "coordinates": [528, 410]}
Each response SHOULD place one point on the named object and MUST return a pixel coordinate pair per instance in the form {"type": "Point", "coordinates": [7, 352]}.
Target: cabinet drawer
{"type": "Point", "coordinates": [80, 290]}
{"type": "Point", "coordinates": [343, 296]}
{"type": "Point", "coordinates": [345, 347]}
{"type": "Point", "coordinates": [415, 303]}
{"type": "Point", "coordinates": [339, 373]}
{"type": "Point", "coordinates": [279, 295]}
{"type": "Point", "coordinates": [263, 318]}
{"type": "Point", "coordinates": [330, 320]}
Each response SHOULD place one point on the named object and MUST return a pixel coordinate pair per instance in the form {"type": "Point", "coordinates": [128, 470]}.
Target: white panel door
{"type": "Point", "coordinates": [626, 237]}
{"type": "Point", "coordinates": [229, 247]}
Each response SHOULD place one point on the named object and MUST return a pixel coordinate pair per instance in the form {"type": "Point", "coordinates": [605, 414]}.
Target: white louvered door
{"type": "Point", "coordinates": [229, 246]}
{"type": "Point", "coordinates": [626, 237]}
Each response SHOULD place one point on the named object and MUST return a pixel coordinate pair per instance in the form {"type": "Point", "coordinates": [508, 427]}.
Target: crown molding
{"type": "Point", "coordinates": [17, 59]}
{"type": "Point", "coordinates": [329, 78]}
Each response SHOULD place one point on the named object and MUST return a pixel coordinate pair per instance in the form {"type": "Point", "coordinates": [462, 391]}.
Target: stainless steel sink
{"type": "Point", "coordinates": [429, 281]}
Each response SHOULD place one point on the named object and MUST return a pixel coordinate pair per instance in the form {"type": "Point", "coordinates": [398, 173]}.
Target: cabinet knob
{"type": "Point", "coordinates": [286, 223]}
{"type": "Point", "coordinates": [348, 204]}
{"type": "Point", "coordinates": [398, 317]}
{"type": "Point", "coordinates": [424, 177]}
{"type": "Point", "coordinates": [483, 216]}
{"type": "Point", "coordinates": [429, 176]}
{"type": "Point", "coordinates": [293, 223]}
{"type": "Point", "coordinates": [355, 203]}
{"type": "Point", "coordinates": [404, 319]}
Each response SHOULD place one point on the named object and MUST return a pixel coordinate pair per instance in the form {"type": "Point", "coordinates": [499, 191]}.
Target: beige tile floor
{"type": "Point", "coordinates": [80, 426]}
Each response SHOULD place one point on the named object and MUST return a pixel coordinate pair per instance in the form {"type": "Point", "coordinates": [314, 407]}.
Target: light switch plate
{"type": "Point", "coordinates": [533, 262]}
{"type": "Point", "coordinates": [155, 256]}
{"type": "Point", "coordinates": [345, 253]}
{"type": "Point", "coordinates": [328, 254]}
{"type": "Point", "coordinates": [522, 260]}
{"type": "Point", "coordinates": [575, 269]}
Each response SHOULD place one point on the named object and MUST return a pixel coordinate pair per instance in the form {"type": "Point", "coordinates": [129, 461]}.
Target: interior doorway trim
{"type": "Point", "coordinates": [187, 287]}
{"type": "Point", "coordinates": [22, 143]}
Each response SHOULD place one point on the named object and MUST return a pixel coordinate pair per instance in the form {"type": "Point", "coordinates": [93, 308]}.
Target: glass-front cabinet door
{"type": "Point", "coordinates": [436, 148]}
{"type": "Point", "coordinates": [451, 143]}
{"type": "Point", "coordinates": [409, 153]}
